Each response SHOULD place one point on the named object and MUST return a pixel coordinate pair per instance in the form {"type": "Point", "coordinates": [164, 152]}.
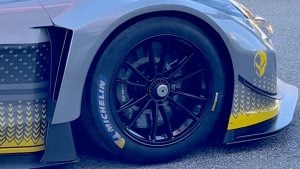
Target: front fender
{"type": "Point", "coordinates": [97, 20]}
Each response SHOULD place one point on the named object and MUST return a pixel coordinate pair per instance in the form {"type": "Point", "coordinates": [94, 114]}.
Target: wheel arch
{"type": "Point", "coordinates": [216, 38]}
{"type": "Point", "coordinates": [62, 114]}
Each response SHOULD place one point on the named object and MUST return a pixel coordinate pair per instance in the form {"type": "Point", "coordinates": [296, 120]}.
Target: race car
{"type": "Point", "coordinates": [147, 79]}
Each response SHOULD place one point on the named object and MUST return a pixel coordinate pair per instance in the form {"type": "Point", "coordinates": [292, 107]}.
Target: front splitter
{"type": "Point", "coordinates": [272, 126]}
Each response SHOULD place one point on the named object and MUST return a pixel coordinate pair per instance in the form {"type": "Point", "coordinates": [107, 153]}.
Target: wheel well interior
{"type": "Point", "coordinates": [217, 40]}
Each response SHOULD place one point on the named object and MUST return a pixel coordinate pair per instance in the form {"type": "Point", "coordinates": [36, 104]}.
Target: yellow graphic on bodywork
{"type": "Point", "coordinates": [246, 119]}
{"type": "Point", "coordinates": [260, 63]}
{"type": "Point", "coordinates": [22, 126]}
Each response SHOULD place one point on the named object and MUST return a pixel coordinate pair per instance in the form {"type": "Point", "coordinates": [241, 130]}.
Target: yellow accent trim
{"type": "Point", "coordinates": [24, 143]}
{"type": "Point", "coordinates": [21, 150]}
{"type": "Point", "coordinates": [252, 118]}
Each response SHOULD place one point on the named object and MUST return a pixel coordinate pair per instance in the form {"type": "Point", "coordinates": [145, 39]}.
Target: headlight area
{"type": "Point", "coordinates": [245, 11]}
{"type": "Point", "coordinates": [261, 26]}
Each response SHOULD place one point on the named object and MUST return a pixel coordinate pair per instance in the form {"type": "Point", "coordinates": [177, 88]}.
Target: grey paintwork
{"type": "Point", "coordinates": [93, 25]}
{"type": "Point", "coordinates": [93, 21]}
{"type": "Point", "coordinates": [17, 18]}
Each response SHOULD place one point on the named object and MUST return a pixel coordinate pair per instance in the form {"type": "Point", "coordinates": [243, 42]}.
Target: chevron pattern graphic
{"type": "Point", "coordinates": [246, 101]}
{"type": "Point", "coordinates": [22, 123]}
{"type": "Point", "coordinates": [267, 83]}
{"type": "Point", "coordinates": [24, 86]}
{"type": "Point", "coordinates": [250, 108]}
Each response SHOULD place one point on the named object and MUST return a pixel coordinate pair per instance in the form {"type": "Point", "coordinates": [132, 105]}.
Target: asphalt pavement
{"type": "Point", "coordinates": [279, 152]}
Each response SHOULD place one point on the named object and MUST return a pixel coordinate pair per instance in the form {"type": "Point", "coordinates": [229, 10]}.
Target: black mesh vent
{"type": "Point", "coordinates": [24, 63]}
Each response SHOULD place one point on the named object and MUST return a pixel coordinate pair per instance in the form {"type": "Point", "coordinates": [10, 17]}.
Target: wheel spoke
{"type": "Point", "coordinates": [166, 121]}
{"type": "Point", "coordinates": [137, 71]}
{"type": "Point", "coordinates": [162, 60]}
{"type": "Point", "coordinates": [181, 93]}
{"type": "Point", "coordinates": [137, 115]}
{"type": "Point", "coordinates": [189, 75]}
{"type": "Point", "coordinates": [185, 110]}
{"type": "Point", "coordinates": [167, 81]}
{"type": "Point", "coordinates": [131, 103]}
{"type": "Point", "coordinates": [149, 53]}
{"type": "Point", "coordinates": [177, 67]}
{"type": "Point", "coordinates": [154, 121]}
{"type": "Point", "coordinates": [127, 82]}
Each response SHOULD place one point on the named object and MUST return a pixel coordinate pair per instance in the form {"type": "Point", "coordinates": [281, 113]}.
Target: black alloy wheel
{"type": "Point", "coordinates": [161, 89]}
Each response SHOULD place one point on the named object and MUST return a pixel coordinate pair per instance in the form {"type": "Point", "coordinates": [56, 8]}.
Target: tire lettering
{"type": "Point", "coordinates": [100, 102]}
{"type": "Point", "coordinates": [109, 127]}
{"type": "Point", "coordinates": [215, 102]}
{"type": "Point", "coordinates": [102, 86]}
{"type": "Point", "coordinates": [115, 136]}
{"type": "Point", "coordinates": [102, 109]}
{"type": "Point", "coordinates": [104, 116]}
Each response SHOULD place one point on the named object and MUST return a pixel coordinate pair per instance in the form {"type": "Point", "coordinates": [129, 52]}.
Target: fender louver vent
{"type": "Point", "coordinates": [60, 42]}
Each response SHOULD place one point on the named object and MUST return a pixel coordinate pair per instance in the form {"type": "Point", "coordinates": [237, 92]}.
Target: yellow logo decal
{"type": "Point", "coordinates": [120, 143]}
{"type": "Point", "coordinates": [260, 63]}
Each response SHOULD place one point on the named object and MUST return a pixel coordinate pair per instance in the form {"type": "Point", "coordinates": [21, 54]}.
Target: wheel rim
{"type": "Point", "coordinates": [161, 90]}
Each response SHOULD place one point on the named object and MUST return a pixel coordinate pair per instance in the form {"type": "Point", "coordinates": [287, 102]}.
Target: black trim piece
{"type": "Point", "coordinates": [254, 132]}
{"type": "Point", "coordinates": [14, 161]}
{"type": "Point", "coordinates": [51, 104]}
{"type": "Point", "coordinates": [60, 43]}
{"type": "Point", "coordinates": [59, 144]}
{"type": "Point", "coordinates": [260, 91]}
{"type": "Point", "coordinates": [24, 161]}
